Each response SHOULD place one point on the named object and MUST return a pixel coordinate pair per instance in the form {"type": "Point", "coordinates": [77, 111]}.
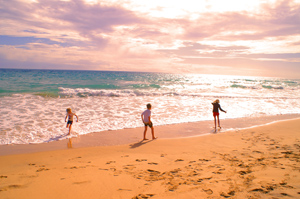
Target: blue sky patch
{"type": "Point", "coordinates": [15, 41]}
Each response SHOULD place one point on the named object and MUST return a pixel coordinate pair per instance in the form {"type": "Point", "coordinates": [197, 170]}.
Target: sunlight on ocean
{"type": "Point", "coordinates": [33, 102]}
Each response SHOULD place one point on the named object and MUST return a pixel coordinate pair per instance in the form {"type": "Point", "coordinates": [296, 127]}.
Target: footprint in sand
{"type": "Point", "coordinates": [42, 169]}
{"type": "Point", "coordinates": [284, 194]}
{"type": "Point", "coordinates": [153, 163]}
{"type": "Point", "coordinates": [110, 162]}
{"type": "Point", "coordinates": [152, 171]}
{"type": "Point", "coordinates": [103, 169]}
{"type": "Point", "coordinates": [179, 160]}
{"type": "Point", "coordinates": [141, 160]}
{"type": "Point", "coordinates": [192, 173]}
{"type": "Point", "coordinates": [82, 182]}
{"type": "Point", "coordinates": [257, 152]}
{"type": "Point", "coordinates": [283, 183]}
{"type": "Point", "coordinates": [244, 172]}
{"type": "Point", "coordinates": [3, 176]}
{"type": "Point", "coordinates": [217, 172]}
{"type": "Point", "coordinates": [124, 190]}
{"type": "Point", "coordinates": [297, 146]}
{"type": "Point", "coordinates": [129, 167]}
{"type": "Point", "coordinates": [113, 169]}
{"type": "Point", "coordinates": [15, 186]}
{"type": "Point", "coordinates": [204, 160]}
{"type": "Point", "coordinates": [75, 158]}
{"type": "Point", "coordinates": [142, 196]}
{"type": "Point", "coordinates": [208, 191]}
{"type": "Point", "coordinates": [227, 195]}
{"type": "Point", "coordinates": [260, 159]}
{"type": "Point", "coordinates": [259, 190]}
{"type": "Point", "coordinates": [74, 167]}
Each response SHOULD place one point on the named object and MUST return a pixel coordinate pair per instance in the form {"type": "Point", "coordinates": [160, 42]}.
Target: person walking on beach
{"type": "Point", "coordinates": [216, 107]}
{"type": "Point", "coordinates": [70, 117]}
{"type": "Point", "coordinates": [146, 118]}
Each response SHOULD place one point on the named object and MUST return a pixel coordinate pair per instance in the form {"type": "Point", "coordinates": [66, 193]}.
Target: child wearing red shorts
{"type": "Point", "coordinates": [216, 107]}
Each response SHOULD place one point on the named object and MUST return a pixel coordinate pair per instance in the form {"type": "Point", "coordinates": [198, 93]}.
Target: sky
{"type": "Point", "coordinates": [232, 37]}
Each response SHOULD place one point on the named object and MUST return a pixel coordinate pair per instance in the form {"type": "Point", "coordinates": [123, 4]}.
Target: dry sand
{"type": "Point", "coordinates": [260, 162]}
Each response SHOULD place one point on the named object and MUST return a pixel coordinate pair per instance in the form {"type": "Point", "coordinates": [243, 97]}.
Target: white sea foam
{"type": "Point", "coordinates": [33, 119]}
{"type": "Point", "coordinates": [36, 118]}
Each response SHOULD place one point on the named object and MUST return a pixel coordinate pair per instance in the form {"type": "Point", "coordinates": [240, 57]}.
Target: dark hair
{"type": "Point", "coordinates": [148, 105]}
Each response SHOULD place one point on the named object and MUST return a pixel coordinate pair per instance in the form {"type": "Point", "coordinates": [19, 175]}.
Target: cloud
{"type": "Point", "coordinates": [86, 18]}
{"type": "Point", "coordinates": [269, 21]}
{"type": "Point", "coordinates": [88, 21]}
{"type": "Point", "coordinates": [119, 36]}
{"type": "Point", "coordinates": [201, 50]}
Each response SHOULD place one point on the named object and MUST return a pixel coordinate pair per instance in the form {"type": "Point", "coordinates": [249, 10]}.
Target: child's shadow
{"type": "Point", "coordinates": [140, 143]}
{"type": "Point", "coordinates": [57, 138]}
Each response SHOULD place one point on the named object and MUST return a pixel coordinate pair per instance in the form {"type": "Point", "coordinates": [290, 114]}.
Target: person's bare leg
{"type": "Point", "coordinates": [145, 131]}
{"type": "Point", "coordinates": [218, 122]}
{"type": "Point", "coordinates": [70, 127]}
{"type": "Point", "coordinates": [215, 122]}
{"type": "Point", "coordinates": [152, 131]}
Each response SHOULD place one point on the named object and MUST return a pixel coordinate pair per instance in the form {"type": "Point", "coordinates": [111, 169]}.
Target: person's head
{"type": "Point", "coordinates": [148, 106]}
{"type": "Point", "coordinates": [69, 110]}
{"type": "Point", "coordinates": [217, 101]}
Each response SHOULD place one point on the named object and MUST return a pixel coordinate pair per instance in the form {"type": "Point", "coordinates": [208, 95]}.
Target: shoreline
{"type": "Point", "coordinates": [134, 135]}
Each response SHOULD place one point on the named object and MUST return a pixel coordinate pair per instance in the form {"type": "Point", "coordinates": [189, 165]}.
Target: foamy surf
{"type": "Point", "coordinates": [114, 100]}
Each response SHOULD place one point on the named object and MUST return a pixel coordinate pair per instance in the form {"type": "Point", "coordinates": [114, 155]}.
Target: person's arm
{"type": "Point", "coordinates": [150, 119]}
{"type": "Point", "coordinates": [221, 108]}
{"type": "Point", "coordinates": [66, 118]}
{"type": "Point", "coordinates": [76, 117]}
{"type": "Point", "coordinates": [142, 118]}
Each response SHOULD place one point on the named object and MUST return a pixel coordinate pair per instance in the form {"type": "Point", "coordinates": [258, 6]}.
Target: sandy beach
{"type": "Point", "coordinates": [218, 80]}
{"type": "Point", "coordinates": [260, 162]}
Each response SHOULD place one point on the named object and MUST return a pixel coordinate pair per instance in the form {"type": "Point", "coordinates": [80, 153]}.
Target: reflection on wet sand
{"type": "Point", "coordinates": [69, 145]}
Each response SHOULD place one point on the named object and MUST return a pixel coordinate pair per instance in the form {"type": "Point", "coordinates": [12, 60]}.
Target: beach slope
{"type": "Point", "coordinates": [260, 162]}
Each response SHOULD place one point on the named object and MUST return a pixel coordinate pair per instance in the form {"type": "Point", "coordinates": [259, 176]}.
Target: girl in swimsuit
{"type": "Point", "coordinates": [216, 107]}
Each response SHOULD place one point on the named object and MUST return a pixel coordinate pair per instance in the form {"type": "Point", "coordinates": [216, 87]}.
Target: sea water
{"type": "Point", "coordinates": [33, 103]}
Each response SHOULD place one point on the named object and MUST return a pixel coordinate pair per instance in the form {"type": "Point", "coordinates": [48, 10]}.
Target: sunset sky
{"type": "Point", "coordinates": [233, 37]}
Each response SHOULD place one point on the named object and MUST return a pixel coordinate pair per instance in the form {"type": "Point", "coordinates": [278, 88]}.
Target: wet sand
{"type": "Point", "coordinates": [127, 136]}
{"type": "Point", "coordinates": [260, 162]}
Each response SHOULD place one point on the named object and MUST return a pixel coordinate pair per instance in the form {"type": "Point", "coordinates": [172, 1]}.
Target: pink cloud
{"type": "Point", "coordinates": [69, 16]}
{"type": "Point", "coordinates": [134, 39]}
{"type": "Point", "coordinates": [282, 20]}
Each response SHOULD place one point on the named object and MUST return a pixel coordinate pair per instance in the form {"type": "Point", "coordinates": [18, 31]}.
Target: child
{"type": "Point", "coordinates": [216, 107]}
{"type": "Point", "coordinates": [70, 116]}
{"type": "Point", "coordinates": [146, 118]}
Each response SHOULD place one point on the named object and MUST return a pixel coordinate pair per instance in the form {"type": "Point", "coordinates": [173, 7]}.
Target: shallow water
{"type": "Point", "coordinates": [33, 102]}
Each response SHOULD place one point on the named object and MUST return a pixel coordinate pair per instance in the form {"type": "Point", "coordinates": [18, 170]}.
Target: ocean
{"type": "Point", "coordinates": [33, 103]}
